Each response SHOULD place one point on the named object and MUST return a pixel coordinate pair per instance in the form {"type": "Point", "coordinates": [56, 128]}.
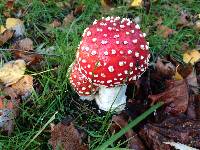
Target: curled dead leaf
{"type": "Point", "coordinates": [178, 129]}
{"type": "Point", "coordinates": [164, 68]}
{"type": "Point", "coordinates": [133, 140]}
{"type": "Point", "coordinates": [5, 36]}
{"type": "Point", "coordinates": [165, 31]}
{"type": "Point", "coordinates": [176, 97]}
{"type": "Point", "coordinates": [137, 3]}
{"type": "Point", "coordinates": [66, 136]}
{"type": "Point", "coordinates": [12, 71]}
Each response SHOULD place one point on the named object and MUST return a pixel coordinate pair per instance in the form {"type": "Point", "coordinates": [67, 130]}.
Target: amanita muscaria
{"type": "Point", "coordinates": [112, 53]}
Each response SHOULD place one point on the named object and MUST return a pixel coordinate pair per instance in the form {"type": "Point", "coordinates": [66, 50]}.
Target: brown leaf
{"type": "Point", "coordinates": [133, 140]}
{"type": "Point", "coordinates": [79, 10]}
{"type": "Point", "coordinates": [164, 68]}
{"type": "Point", "coordinates": [68, 19]}
{"type": "Point", "coordinates": [8, 112]}
{"type": "Point", "coordinates": [5, 36]}
{"type": "Point", "coordinates": [106, 4]}
{"type": "Point", "coordinates": [55, 23]}
{"type": "Point", "coordinates": [10, 4]}
{"type": "Point", "coordinates": [23, 49]}
{"type": "Point", "coordinates": [184, 20]}
{"type": "Point", "coordinates": [178, 129]}
{"type": "Point", "coordinates": [165, 31]}
{"type": "Point", "coordinates": [66, 137]}
{"type": "Point", "coordinates": [175, 96]}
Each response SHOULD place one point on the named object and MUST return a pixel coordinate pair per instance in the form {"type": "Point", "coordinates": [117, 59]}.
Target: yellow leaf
{"type": "Point", "coordinates": [137, 3]}
{"type": "Point", "coordinates": [12, 71]}
{"type": "Point", "coordinates": [191, 56]}
{"type": "Point", "coordinates": [177, 76]}
{"type": "Point", "coordinates": [2, 29]}
{"type": "Point", "coordinates": [12, 22]}
{"type": "Point", "coordinates": [24, 86]}
{"type": "Point", "coordinates": [15, 24]}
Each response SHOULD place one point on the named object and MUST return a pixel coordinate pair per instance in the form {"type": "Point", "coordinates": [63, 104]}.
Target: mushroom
{"type": "Point", "coordinates": [112, 53]}
{"type": "Point", "coordinates": [80, 84]}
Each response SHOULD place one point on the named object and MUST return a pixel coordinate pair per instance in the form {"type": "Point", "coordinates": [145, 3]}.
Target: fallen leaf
{"type": "Point", "coordinates": [106, 4]}
{"type": "Point", "coordinates": [8, 112]}
{"type": "Point", "coordinates": [79, 10]}
{"type": "Point", "coordinates": [66, 136]}
{"type": "Point", "coordinates": [55, 23]}
{"type": "Point", "coordinates": [23, 49]}
{"type": "Point", "coordinates": [17, 25]}
{"type": "Point", "coordinates": [185, 20]}
{"type": "Point", "coordinates": [180, 146]}
{"type": "Point", "coordinates": [9, 4]}
{"type": "Point", "coordinates": [2, 29]}
{"type": "Point", "coordinates": [24, 86]}
{"type": "Point", "coordinates": [165, 31]}
{"type": "Point", "coordinates": [197, 25]}
{"type": "Point", "coordinates": [12, 72]}
{"type": "Point", "coordinates": [68, 19]}
{"type": "Point", "coordinates": [175, 96]}
{"type": "Point", "coordinates": [137, 3]}
{"type": "Point", "coordinates": [23, 44]}
{"type": "Point", "coordinates": [175, 129]}
{"type": "Point", "coordinates": [164, 68]}
{"type": "Point", "coordinates": [5, 36]}
{"type": "Point", "coordinates": [191, 56]}
{"type": "Point", "coordinates": [133, 140]}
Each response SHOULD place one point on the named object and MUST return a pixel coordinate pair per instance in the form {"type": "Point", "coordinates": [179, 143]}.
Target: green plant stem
{"type": "Point", "coordinates": [116, 136]}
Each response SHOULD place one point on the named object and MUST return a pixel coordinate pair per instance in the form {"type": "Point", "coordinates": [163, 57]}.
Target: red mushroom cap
{"type": "Point", "coordinates": [113, 51]}
{"type": "Point", "coordinates": [80, 84]}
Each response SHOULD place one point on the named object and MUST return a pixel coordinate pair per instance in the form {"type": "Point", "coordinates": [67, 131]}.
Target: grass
{"type": "Point", "coordinates": [54, 93]}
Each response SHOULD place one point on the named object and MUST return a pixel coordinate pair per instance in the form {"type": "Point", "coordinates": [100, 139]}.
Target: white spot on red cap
{"type": "Point", "coordinates": [144, 34]}
{"type": "Point", "coordinates": [93, 52]}
{"type": "Point", "coordinates": [94, 39]}
{"type": "Point", "coordinates": [122, 26]}
{"type": "Point", "coordinates": [137, 54]}
{"type": "Point", "coordinates": [121, 52]}
{"type": "Point", "coordinates": [113, 51]}
{"type": "Point", "coordinates": [147, 47]}
{"type": "Point", "coordinates": [111, 69]}
{"type": "Point", "coordinates": [83, 88]}
{"type": "Point", "coordinates": [83, 61]}
{"type": "Point", "coordinates": [116, 36]}
{"type": "Point", "coordinates": [127, 33]}
{"type": "Point", "coordinates": [125, 42]}
{"type": "Point", "coordinates": [89, 33]}
{"type": "Point", "coordinates": [142, 47]}
{"type": "Point", "coordinates": [88, 65]}
{"type": "Point", "coordinates": [117, 42]}
{"type": "Point", "coordinates": [131, 64]}
{"type": "Point", "coordinates": [134, 41]}
{"type": "Point", "coordinates": [95, 22]}
{"type": "Point", "coordinates": [114, 24]}
{"type": "Point", "coordinates": [87, 48]}
{"type": "Point", "coordinates": [109, 81]}
{"type": "Point", "coordinates": [141, 57]}
{"type": "Point", "coordinates": [137, 26]}
{"type": "Point", "coordinates": [119, 74]}
{"type": "Point", "coordinates": [109, 28]}
{"type": "Point", "coordinates": [130, 51]}
{"type": "Point", "coordinates": [104, 42]}
{"type": "Point", "coordinates": [115, 79]}
{"type": "Point", "coordinates": [121, 63]}
{"type": "Point", "coordinates": [106, 53]}
{"type": "Point", "coordinates": [125, 71]}
{"type": "Point", "coordinates": [90, 73]}
{"type": "Point", "coordinates": [105, 35]}
{"type": "Point", "coordinates": [103, 75]}
{"type": "Point", "coordinates": [99, 30]}
{"type": "Point", "coordinates": [132, 31]}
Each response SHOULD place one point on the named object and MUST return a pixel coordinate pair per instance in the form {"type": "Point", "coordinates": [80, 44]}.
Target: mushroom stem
{"type": "Point", "coordinates": [111, 98]}
{"type": "Point", "coordinates": [89, 97]}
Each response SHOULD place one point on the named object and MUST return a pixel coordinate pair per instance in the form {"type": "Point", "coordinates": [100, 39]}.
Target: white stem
{"type": "Point", "coordinates": [89, 97]}
{"type": "Point", "coordinates": [112, 98]}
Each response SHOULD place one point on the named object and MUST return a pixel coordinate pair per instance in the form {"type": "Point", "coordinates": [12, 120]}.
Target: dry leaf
{"type": "Point", "coordinates": [197, 25]}
{"type": "Point", "coordinates": [17, 25]}
{"type": "Point", "coordinates": [176, 96]}
{"type": "Point", "coordinates": [24, 86]}
{"type": "Point", "coordinates": [68, 19]}
{"type": "Point", "coordinates": [5, 36]}
{"type": "Point", "coordinates": [55, 23]}
{"type": "Point", "coordinates": [164, 68]}
{"type": "Point", "coordinates": [184, 20]}
{"type": "Point", "coordinates": [165, 31]}
{"type": "Point", "coordinates": [175, 129]}
{"type": "Point", "coordinates": [191, 56]}
{"type": "Point", "coordinates": [10, 4]}
{"type": "Point", "coordinates": [66, 136]}
{"type": "Point", "coordinates": [2, 29]}
{"type": "Point", "coordinates": [12, 71]}
{"type": "Point", "coordinates": [8, 112]}
{"type": "Point", "coordinates": [22, 49]}
{"type": "Point", "coordinates": [136, 3]}
{"type": "Point", "coordinates": [106, 4]}
{"type": "Point", "coordinates": [133, 140]}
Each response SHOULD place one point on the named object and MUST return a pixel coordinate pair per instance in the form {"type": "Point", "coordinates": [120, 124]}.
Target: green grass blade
{"type": "Point", "coordinates": [48, 122]}
{"type": "Point", "coordinates": [116, 136]}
